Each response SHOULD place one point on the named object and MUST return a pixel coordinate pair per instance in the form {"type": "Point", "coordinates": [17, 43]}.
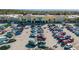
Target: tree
{"type": "Point", "coordinates": [77, 19]}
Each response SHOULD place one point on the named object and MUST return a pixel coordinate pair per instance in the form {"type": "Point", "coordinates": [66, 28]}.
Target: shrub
{"type": "Point", "coordinates": [6, 25]}
{"type": "Point", "coordinates": [5, 47]}
{"type": "Point", "coordinates": [12, 40]}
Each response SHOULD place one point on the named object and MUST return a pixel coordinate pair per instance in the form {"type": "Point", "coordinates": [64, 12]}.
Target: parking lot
{"type": "Point", "coordinates": [51, 42]}
{"type": "Point", "coordinates": [21, 40]}
{"type": "Point", "coordinates": [76, 38]}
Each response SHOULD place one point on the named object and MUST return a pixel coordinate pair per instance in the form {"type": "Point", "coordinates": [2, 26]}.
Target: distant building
{"type": "Point", "coordinates": [72, 16]}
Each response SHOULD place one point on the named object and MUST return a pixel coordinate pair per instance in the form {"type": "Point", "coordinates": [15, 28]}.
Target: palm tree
{"type": "Point", "coordinates": [67, 20]}
{"type": "Point", "coordinates": [54, 20]}
{"type": "Point", "coordinates": [49, 20]}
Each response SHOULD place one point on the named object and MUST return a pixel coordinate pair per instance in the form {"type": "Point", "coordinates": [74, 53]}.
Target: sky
{"type": "Point", "coordinates": [39, 4]}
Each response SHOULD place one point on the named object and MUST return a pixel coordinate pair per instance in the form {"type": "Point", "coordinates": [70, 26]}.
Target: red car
{"type": "Point", "coordinates": [41, 38]}
{"type": "Point", "coordinates": [62, 33]}
{"type": "Point", "coordinates": [68, 41]}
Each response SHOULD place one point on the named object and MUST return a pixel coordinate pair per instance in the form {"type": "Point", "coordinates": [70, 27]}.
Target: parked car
{"type": "Point", "coordinates": [68, 47]}
{"type": "Point", "coordinates": [64, 42]}
{"type": "Point", "coordinates": [31, 43]}
{"type": "Point", "coordinates": [41, 38]}
{"type": "Point", "coordinates": [77, 33]}
{"type": "Point", "coordinates": [3, 40]}
{"type": "Point", "coordinates": [41, 44]}
{"type": "Point", "coordinates": [74, 30]}
{"type": "Point", "coordinates": [8, 34]}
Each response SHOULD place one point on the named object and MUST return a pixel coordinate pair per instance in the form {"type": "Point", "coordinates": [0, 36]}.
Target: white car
{"type": "Point", "coordinates": [3, 39]}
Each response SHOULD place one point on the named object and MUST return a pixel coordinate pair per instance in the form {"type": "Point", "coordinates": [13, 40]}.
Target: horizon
{"type": "Point", "coordinates": [44, 9]}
